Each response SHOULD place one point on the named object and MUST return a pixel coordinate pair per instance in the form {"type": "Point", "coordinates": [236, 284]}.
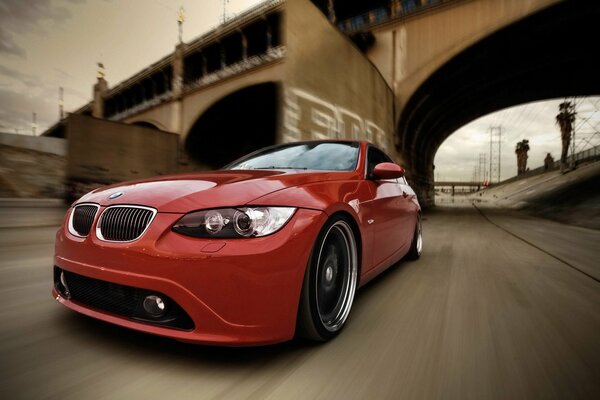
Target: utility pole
{"type": "Point", "coordinates": [61, 104]}
{"type": "Point", "coordinates": [573, 134]}
{"type": "Point", "coordinates": [34, 123]}
{"type": "Point", "coordinates": [482, 167]}
{"type": "Point", "coordinates": [225, 2]}
{"type": "Point", "coordinates": [495, 152]}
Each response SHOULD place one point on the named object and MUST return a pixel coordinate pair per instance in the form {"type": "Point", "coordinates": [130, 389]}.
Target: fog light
{"type": "Point", "coordinates": [63, 282]}
{"type": "Point", "coordinates": [154, 305]}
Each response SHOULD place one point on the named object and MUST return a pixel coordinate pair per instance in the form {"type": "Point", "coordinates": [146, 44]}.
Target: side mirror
{"type": "Point", "coordinates": [388, 170]}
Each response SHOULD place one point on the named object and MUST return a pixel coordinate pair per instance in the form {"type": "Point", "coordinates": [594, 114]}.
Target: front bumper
{"type": "Point", "coordinates": [236, 291]}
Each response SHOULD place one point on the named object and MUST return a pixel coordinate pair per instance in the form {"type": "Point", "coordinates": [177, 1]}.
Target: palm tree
{"type": "Point", "coordinates": [521, 151]}
{"type": "Point", "coordinates": [565, 119]}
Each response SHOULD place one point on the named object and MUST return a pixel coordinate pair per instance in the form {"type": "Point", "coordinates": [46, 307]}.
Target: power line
{"type": "Point", "coordinates": [586, 138]}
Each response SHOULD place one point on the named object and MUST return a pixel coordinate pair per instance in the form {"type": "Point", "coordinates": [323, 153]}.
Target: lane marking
{"type": "Point", "coordinates": [534, 245]}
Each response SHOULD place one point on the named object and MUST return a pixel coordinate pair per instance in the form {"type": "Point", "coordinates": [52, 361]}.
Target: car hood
{"type": "Point", "coordinates": [184, 193]}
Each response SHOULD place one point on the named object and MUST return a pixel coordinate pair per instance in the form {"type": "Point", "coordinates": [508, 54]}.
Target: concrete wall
{"type": "Point", "coordinates": [27, 173]}
{"type": "Point", "coordinates": [331, 88]}
{"type": "Point", "coordinates": [37, 143]}
{"type": "Point", "coordinates": [105, 152]}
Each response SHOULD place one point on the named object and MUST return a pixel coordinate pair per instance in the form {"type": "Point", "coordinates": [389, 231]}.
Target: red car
{"type": "Point", "coordinates": [273, 245]}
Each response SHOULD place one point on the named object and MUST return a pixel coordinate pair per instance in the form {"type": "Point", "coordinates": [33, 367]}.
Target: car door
{"type": "Point", "coordinates": [389, 211]}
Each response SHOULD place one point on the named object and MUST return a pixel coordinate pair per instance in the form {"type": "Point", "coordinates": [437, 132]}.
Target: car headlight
{"type": "Point", "coordinates": [234, 222]}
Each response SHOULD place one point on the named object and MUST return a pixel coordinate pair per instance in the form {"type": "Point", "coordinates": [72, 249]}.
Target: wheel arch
{"type": "Point", "coordinates": [305, 327]}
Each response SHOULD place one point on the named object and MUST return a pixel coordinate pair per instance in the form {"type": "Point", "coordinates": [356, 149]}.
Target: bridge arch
{"type": "Point", "coordinates": [545, 55]}
{"type": "Point", "coordinates": [149, 124]}
{"type": "Point", "coordinates": [236, 124]}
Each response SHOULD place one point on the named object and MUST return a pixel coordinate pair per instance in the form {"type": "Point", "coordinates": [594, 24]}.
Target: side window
{"type": "Point", "coordinates": [374, 157]}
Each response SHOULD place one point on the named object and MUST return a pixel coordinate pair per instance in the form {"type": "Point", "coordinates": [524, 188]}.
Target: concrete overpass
{"type": "Point", "coordinates": [403, 74]}
{"type": "Point", "coordinates": [452, 185]}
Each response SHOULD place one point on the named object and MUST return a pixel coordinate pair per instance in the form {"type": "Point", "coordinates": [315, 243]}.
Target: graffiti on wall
{"type": "Point", "coordinates": [307, 117]}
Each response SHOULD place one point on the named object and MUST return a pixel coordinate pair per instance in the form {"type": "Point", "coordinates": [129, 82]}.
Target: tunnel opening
{"type": "Point", "coordinates": [238, 124]}
{"type": "Point", "coordinates": [543, 56]}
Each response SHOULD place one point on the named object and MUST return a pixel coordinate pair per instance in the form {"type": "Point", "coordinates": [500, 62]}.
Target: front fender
{"type": "Point", "coordinates": [330, 198]}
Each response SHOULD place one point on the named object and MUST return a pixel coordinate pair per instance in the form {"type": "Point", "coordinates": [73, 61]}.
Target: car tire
{"type": "Point", "coordinates": [416, 247]}
{"type": "Point", "coordinates": [329, 282]}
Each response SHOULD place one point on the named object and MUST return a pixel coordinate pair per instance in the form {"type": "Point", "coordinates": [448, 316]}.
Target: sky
{"type": "Point", "coordinates": [458, 156]}
{"type": "Point", "coordinates": [47, 44]}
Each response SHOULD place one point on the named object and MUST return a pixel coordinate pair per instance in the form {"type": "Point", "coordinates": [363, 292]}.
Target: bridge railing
{"type": "Point", "coordinates": [590, 154]}
{"type": "Point", "coordinates": [274, 53]}
{"type": "Point", "coordinates": [395, 10]}
{"type": "Point", "coordinates": [156, 100]}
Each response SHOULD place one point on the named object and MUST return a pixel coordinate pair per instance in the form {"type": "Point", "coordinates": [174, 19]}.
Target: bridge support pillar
{"type": "Point", "coordinates": [423, 186]}
{"type": "Point", "coordinates": [100, 89]}
{"type": "Point", "coordinates": [177, 83]}
{"type": "Point", "coordinates": [420, 173]}
{"type": "Point", "coordinates": [178, 71]}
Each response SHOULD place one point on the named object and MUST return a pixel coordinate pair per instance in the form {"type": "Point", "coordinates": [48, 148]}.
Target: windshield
{"type": "Point", "coordinates": [324, 156]}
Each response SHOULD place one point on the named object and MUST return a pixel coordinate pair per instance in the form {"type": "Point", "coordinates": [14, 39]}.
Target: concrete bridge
{"type": "Point", "coordinates": [453, 185]}
{"type": "Point", "coordinates": [403, 74]}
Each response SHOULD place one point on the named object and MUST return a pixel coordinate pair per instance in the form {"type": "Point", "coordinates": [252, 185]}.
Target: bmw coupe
{"type": "Point", "coordinates": [272, 246]}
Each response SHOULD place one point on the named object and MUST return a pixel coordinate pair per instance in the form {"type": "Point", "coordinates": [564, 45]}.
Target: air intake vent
{"type": "Point", "coordinates": [82, 218]}
{"type": "Point", "coordinates": [118, 299]}
{"type": "Point", "coordinates": [124, 223]}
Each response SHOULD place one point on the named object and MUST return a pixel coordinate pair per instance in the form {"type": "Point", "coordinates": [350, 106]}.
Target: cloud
{"type": "Point", "coordinates": [28, 80]}
{"type": "Point", "coordinates": [24, 16]}
{"type": "Point", "coordinates": [8, 45]}
{"type": "Point", "coordinates": [30, 94]}
{"type": "Point", "coordinates": [19, 17]}
{"type": "Point", "coordinates": [61, 74]}
{"type": "Point", "coordinates": [17, 108]}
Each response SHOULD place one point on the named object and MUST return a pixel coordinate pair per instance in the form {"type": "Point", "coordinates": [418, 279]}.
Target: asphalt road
{"type": "Point", "coordinates": [483, 314]}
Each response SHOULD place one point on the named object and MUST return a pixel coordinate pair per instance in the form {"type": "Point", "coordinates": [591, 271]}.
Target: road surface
{"type": "Point", "coordinates": [498, 307]}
